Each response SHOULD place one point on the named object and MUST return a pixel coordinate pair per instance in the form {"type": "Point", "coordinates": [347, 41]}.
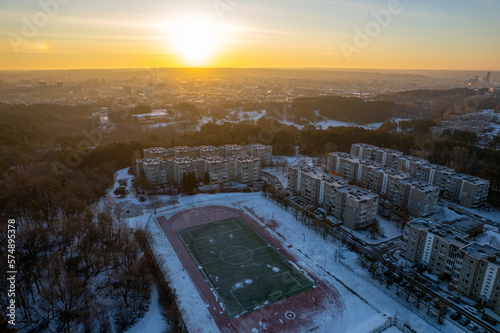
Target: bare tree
{"type": "Point", "coordinates": [155, 203]}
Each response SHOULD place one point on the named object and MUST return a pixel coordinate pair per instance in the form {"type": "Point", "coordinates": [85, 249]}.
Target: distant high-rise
{"type": "Point", "coordinates": [488, 77]}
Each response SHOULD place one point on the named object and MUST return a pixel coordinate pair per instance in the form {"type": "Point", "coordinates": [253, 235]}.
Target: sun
{"type": "Point", "coordinates": [196, 38]}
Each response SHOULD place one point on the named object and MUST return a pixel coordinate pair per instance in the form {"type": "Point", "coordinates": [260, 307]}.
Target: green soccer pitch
{"type": "Point", "coordinates": [244, 270]}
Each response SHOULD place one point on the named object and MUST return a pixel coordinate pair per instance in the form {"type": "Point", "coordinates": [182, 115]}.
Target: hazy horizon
{"type": "Point", "coordinates": [393, 34]}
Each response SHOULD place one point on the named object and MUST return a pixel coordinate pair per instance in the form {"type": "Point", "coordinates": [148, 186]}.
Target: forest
{"type": "Point", "coordinates": [347, 109]}
{"type": "Point", "coordinates": [81, 267]}
{"type": "Point", "coordinates": [451, 151]}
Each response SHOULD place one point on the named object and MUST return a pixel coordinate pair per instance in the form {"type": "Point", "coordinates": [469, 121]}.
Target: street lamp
{"type": "Point", "coordinates": [304, 237]}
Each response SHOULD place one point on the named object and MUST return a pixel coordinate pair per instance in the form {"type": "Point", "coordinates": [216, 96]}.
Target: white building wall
{"type": "Point", "coordinates": [489, 281]}
{"type": "Point", "coordinates": [428, 247]}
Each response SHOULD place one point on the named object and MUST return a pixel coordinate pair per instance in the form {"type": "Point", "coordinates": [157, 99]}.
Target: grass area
{"type": "Point", "coordinates": [243, 269]}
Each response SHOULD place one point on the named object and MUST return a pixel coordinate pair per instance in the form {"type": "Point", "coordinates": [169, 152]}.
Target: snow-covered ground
{"type": "Point", "coordinates": [443, 213]}
{"type": "Point", "coordinates": [490, 236]}
{"type": "Point", "coordinates": [368, 305]}
{"type": "Point", "coordinates": [153, 320]}
{"type": "Point", "coordinates": [324, 124]}
{"type": "Point", "coordinates": [389, 229]}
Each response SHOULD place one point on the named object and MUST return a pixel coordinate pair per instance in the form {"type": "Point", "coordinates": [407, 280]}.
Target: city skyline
{"type": "Point", "coordinates": [295, 34]}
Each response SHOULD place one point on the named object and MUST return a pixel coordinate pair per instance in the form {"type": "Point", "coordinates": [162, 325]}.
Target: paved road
{"type": "Point", "coordinates": [375, 252]}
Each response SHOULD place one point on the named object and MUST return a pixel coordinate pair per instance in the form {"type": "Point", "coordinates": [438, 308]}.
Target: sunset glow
{"type": "Point", "coordinates": [278, 33]}
{"type": "Point", "coordinates": [195, 38]}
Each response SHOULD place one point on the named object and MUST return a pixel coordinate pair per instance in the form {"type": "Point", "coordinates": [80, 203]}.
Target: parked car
{"type": "Point", "coordinates": [389, 243]}
{"type": "Point", "coordinates": [471, 309]}
{"type": "Point", "coordinates": [382, 245]}
{"type": "Point", "coordinates": [472, 327]}
{"type": "Point", "coordinates": [464, 321]}
{"type": "Point", "coordinates": [489, 319]}
{"type": "Point", "coordinates": [455, 316]}
{"type": "Point", "coordinates": [385, 257]}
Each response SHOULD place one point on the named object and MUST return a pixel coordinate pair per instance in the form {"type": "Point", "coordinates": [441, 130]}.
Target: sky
{"type": "Point", "coordinates": [379, 34]}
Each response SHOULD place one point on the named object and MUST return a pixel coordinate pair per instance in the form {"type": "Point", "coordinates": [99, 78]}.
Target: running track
{"type": "Point", "coordinates": [324, 300]}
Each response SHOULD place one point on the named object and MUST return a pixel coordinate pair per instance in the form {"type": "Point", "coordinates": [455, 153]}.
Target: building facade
{"type": "Point", "coordinates": [468, 191]}
{"type": "Point", "coordinates": [446, 248]}
{"type": "Point", "coordinates": [418, 196]}
{"type": "Point", "coordinates": [242, 168]}
{"type": "Point", "coordinates": [355, 206]}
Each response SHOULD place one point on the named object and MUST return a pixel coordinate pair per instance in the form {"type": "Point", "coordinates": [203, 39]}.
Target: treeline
{"type": "Point", "coordinates": [36, 124]}
{"type": "Point", "coordinates": [417, 127]}
{"type": "Point", "coordinates": [79, 268]}
{"type": "Point", "coordinates": [439, 104]}
{"type": "Point", "coordinates": [457, 154]}
{"type": "Point", "coordinates": [425, 95]}
{"type": "Point", "coordinates": [267, 131]}
{"type": "Point", "coordinates": [345, 109]}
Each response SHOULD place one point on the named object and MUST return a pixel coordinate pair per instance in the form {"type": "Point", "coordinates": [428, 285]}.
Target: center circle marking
{"type": "Point", "coordinates": [236, 255]}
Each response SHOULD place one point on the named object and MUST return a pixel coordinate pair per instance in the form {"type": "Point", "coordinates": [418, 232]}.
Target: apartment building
{"type": "Point", "coordinates": [469, 225]}
{"type": "Point", "coordinates": [344, 165]}
{"type": "Point", "coordinates": [434, 174]}
{"type": "Point", "coordinates": [386, 157]}
{"type": "Point", "coordinates": [418, 196]}
{"type": "Point", "coordinates": [185, 165]}
{"type": "Point", "coordinates": [410, 164]}
{"type": "Point", "coordinates": [355, 206]}
{"type": "Point", "coordinates": [242, 168]}
{"type": "Point", "coordinates": [310, 183]}
{"type": "Point", "coordinates": [358, 207]}
{"type": "Point", "coordinates": [156, 152]}
{"type": "Point", "coordinates": [208, 151]}
{"type": "Point", "coordinates": [468, 191]}
{"type": "Point", "coordinates": [218, 169]}
{"type": "Point", "coordinates": [384, 181]}
{"type": "Point", "coordinates": [264, 152]}
{"type": "Point", "coordinates": [363, 151]}
{"type": "Point", "coordinates": [433, 244]}
{"type": "Point", "coordinates": [366, 172]}
{"type": "Point", "coordinates": [476, 274]}
{"type": "Point", "coordinates": [447, 248]}
{"type": "Point", "coordinates": [247, 168]}
{"type": "Point", "coordinates": [234, 150]}
{"type": "Point", "coordinates": [332, 197]}
{"type": "Point", "coordinates": [155, 169]}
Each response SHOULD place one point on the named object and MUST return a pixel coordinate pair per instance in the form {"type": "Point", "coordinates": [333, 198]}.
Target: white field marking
{"type": "Point", "coordinates": [221, 233]}
{"type": "Point", "coordinates": [253, 284]}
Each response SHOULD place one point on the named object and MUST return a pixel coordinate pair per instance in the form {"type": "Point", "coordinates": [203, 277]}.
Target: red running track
{"type": "Point", "coordinates": [325, 300]}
